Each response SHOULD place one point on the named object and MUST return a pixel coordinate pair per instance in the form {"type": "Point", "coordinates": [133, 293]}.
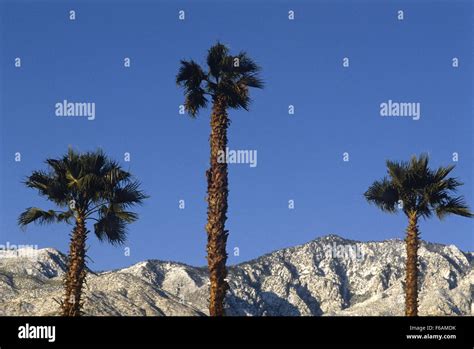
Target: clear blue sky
{"type": "Point", "coordinates": [299, 156]}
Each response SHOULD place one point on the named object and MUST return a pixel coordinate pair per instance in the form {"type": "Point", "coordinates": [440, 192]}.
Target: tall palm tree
{"type": "Point", "coordinates": [419, 192]}
{"type": "Point", "coordinates": [84, 187]}
{"type": "Point", "coordinates": [226, 82]}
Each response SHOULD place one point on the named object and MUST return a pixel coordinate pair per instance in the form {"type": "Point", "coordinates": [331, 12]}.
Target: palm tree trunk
{"type": "Point", "coordinates": [411, 281]}
{"type": "Point", "coordinates": [76, 272]}
{"type": "Point", "coordinates": [217, 192]}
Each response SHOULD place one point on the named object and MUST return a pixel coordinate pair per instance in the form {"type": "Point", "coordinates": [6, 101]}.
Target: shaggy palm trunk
{"type": "Point", "coordinates": [411, 280]}
{"type": "Point", "coordinates": [217, 192]}
{"type": "Point", "coordinates": [76, 272]}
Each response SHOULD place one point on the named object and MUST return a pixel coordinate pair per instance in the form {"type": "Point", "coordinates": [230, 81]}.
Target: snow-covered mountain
{"type": "Point", "coordinates": [327, 276]}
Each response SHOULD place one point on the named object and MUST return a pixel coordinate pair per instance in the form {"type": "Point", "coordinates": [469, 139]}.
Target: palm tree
{"type": "Point", "coordinates": [84, 187]}
{"type": "Point", "coordinates": [227, 83]}
{"type": "Point", "coordinates": [420, 192]}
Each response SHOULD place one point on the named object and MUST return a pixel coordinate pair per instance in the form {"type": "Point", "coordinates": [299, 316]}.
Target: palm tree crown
{"type": "Point", "coordinates": [89, 185]}
{"type": "Point", "coordinates": [228, 76]}
{"type": "Point", "coordinates": [420, 190]}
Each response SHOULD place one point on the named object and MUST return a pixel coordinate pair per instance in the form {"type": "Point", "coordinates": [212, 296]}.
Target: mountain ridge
{"type": "Point", "coordinates": [329, 275]}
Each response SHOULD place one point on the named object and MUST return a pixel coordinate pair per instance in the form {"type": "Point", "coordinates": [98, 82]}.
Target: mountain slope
{"type": "Point", "coordinates": [327, 276]}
